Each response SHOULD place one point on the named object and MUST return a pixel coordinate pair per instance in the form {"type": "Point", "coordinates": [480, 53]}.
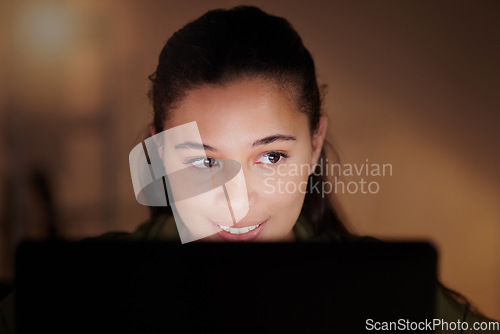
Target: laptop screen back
{"type": "Point", "coordinates": [151, 287]}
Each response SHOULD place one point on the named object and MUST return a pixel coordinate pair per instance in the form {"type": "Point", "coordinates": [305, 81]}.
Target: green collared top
{"type": "Point", "coordinates": [163, 228]}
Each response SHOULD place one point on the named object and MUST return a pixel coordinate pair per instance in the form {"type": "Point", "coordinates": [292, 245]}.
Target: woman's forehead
{"type": "Point", "coordinates": [243, 106]}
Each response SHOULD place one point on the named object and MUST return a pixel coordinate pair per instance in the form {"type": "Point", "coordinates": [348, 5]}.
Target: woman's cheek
{"type": "Point", "coordinates": [283, 197]}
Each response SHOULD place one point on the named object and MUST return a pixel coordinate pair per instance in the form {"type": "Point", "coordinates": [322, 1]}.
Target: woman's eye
{"type": "Point", "coordinates": [272, 158]}
{"type": "Point", "coordinates": [203, 163]}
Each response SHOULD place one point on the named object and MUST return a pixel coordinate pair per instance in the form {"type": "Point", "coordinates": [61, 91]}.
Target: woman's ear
{"type": "Point", "coordinates": [318, 139]}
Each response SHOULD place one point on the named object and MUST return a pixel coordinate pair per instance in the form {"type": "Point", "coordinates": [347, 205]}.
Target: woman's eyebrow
{"type": "Point", "coordinates": [194, 146]}
{"type": "Point", "coordinates": [272, 139]}
{"type": "Point", "coordinates": [264, 141]}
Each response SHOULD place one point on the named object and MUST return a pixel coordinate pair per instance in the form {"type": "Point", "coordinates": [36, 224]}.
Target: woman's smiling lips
{"type": "Point", "coordinates": [245, 233]}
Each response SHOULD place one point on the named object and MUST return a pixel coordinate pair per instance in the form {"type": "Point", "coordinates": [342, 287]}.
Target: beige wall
{"type": "Point", "coordinates": [412, 84]}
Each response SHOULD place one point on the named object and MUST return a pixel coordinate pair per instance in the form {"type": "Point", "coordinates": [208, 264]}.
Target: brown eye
{"type": "Point", "coordinates": [204, 163]}
{"type": "Point", "coordinates": [209, 162]}
{"type": "Point", "coordinates": [274, 157]}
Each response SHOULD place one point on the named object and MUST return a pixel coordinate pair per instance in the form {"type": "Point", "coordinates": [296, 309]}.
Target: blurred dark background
{"type": "Point", "coordinates": [411, 83]}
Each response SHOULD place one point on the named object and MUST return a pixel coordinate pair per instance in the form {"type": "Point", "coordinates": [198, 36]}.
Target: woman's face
{"type": "Point", "coordinates": [259, 126]}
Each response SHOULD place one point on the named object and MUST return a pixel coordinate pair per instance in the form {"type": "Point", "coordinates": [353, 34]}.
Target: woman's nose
{"type": "Point", "coordinates": [236, 191]}
{"type": "Point", "coordinates": [238, 194]}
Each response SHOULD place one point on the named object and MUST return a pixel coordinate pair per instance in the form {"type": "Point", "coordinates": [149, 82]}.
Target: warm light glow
{"type": "Point", "coordinates": [44, 28]}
